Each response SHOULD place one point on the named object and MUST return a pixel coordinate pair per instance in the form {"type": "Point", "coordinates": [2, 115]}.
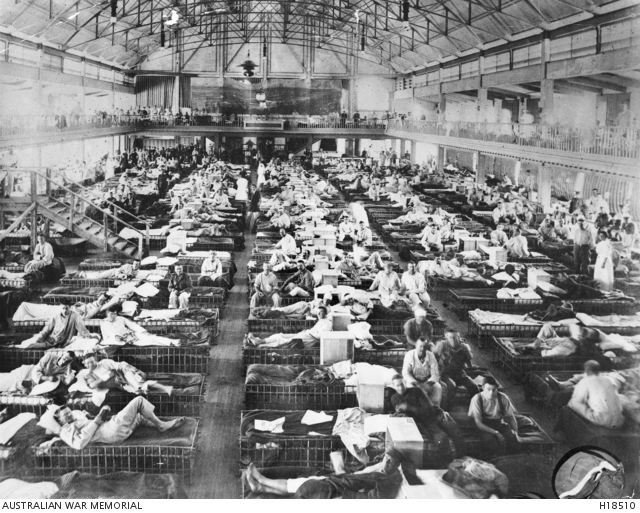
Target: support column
{"type": "Point", "coordinates": [442, 107]}
{"type": "Point", "coordinates": [482, 105]}
{"type": "Point", "coordinates": [442, 152]}
{"type": "Point", "coordinates": [310, 143]}
{"type": "Point", "coordinates": [402, 148]}
{"type": "Point", "coordinates": [414, 150]}
{"type": "Point", "coordinates": [356, 148]}
{"type": "Point", "coordinates": [217, 142]}
{"type": "Point", "coordinates": [546, 101]}
{"type": "Point", "coordinates": [544, 187]}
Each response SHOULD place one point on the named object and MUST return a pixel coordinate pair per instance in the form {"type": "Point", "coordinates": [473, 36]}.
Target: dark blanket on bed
{"type": "Point", "coordinates": [292, 425]}
{"type": "Point", "coordinates": [119, 485]}
{"type": "Point", "coordinates": [310, 375]}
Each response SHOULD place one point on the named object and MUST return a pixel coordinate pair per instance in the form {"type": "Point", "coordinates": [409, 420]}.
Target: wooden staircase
{"type": "Point", "coordinates": [87, 228]}
{"type": "Point", "coordinates": [76, 221]}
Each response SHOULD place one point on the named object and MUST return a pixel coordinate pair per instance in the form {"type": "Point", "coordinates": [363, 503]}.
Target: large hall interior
{"type": "Point", "coordinates": [319, 249]}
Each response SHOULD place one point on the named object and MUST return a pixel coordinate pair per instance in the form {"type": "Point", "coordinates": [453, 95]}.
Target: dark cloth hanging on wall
{"type": "Point", "coordinates": [185, 92]}
{"type": "Point", "coordinates": [152, 91]}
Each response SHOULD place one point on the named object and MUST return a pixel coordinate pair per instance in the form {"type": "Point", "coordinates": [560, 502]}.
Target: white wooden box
{"type": "Point", "coordinates": [336, 346]}
{"type": "Point", "coordinates": [370, 391]}
{"type": "Point", "coordinates": [330, 277]}
{"type": "Point", "coordinates": [537, 275]}
{"type": "Point", "coordinates": [403, 434]}
{"type": "Point", "coordinates": [496, 254]}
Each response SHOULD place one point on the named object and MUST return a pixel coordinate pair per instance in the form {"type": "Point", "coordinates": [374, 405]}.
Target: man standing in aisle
{"type": "Point", "coordinates": [582, 244]}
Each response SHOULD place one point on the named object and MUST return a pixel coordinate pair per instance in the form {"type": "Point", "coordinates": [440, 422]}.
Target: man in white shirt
{"type": "Point", "coordinates": [266, 285]}
{"type": "Point", "coordinates": [42, 255]}
{"type": "Point", "coordinates": [499, 213]}
{"type": "Point", "coordinates": [364, 237]}
{"type": "Point", "coordinates": [389, 286]}
{"type": "Point", "coordinates": [595, 398]}
{"type": "Point", "coordinates": [211, 269]}
{"type": "Point", "coordinates": [432, 239]}
{"type": "Point", "coordinates": [498, 237]}
{"type": "Point", "coordinates": [78, 430]}
{"type": "Point", "coordinates": [284, 249]}
{"type": "Point", "coordinates": [518, 246]}
{"type": "Point", "coordinates": [310, 338]}
{"type": "Point", "coordinates": [415, 286]}
{"type": "Point", "coordinates": [420, 369]}
{"type": "Point", "coordinates": [346, 229]}
{"type": "Point", "coordinates": [281, 219]}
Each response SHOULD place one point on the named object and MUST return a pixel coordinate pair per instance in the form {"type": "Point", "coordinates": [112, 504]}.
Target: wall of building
{"type": "Point", "coordinates": [373, 94]}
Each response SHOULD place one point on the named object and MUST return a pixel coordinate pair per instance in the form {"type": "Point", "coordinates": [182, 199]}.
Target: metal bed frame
{"type": "Point", "coordinates": [105, 459]}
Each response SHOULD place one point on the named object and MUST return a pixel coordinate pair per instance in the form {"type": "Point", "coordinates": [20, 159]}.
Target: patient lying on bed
{"type": "Point", "coordinates": [124, 272]}
{"type": "Point", "coordinates": [310, 338]}
{"type": "Point", "coordinates": [117, 330]}
{"type": "Point", "coordinates": [379, 481]}
{"type": "Point", "coordinates": [78, 430]}
{"type": "Point", "coordinates": [108, 374]}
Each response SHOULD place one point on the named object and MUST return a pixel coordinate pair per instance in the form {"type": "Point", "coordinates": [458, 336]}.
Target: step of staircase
{"type": "Point", "coordinates": [92, 230]}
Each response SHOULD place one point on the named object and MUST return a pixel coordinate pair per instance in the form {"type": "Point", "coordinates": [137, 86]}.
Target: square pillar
{"type": "Point", "coordinates": [482, 105]}
{"type": "Point", "coordinates": [414, 149]}
{"type": "Point", "coordinates": [442, 154]}
{"type": "Point", "coordinates": [544, 187]}
{"type": "Point", "coordinates": [546, 101]}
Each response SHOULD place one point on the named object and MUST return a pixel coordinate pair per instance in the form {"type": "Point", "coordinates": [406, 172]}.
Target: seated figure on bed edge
{"type": "Point", "coordinates": [78, 430]}
{"type": "Point", "coordinates": [61, 328]}
{"type": "Point", "coordinates": [432, 421]}
{"type": "Point", "coordinates": [378, 481]}
{"type": "Point", "coordinates": [595, 398]}
{"type": "Point", "coordinates": [494, 417]}
{"type": "Point", "coordinates": [42, 255]}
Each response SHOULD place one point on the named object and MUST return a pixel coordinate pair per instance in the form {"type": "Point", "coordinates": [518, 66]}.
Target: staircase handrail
{"type": "Point", "coordinates": [109, 202]}
{"type": "Point", "coordinates": [104, 212]}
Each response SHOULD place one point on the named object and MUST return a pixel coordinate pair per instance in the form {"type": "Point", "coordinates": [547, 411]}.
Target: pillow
{"type": "Point", "coordinates": [80, 384]}
{"type": "Point", "coordinates": [48, 421]}
{"type": "Point", "coordinates": [149, 261]}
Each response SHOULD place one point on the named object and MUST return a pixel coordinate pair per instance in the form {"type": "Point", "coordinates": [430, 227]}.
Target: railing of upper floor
{"type": "Point", "coordinates": [32, 125]}
{"type": "Point", "coordinates": [599, 140]}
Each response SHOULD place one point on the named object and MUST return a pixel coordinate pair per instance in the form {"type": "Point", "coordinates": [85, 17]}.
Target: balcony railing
{"type": "Point", "coordinates": [31, 125]}
{"type": "Point", "coordinates": [599, 140]}
{"type": "Point", "coordinates": [289, 122]}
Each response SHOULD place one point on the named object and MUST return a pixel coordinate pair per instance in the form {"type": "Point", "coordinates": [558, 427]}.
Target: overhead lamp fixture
{"type": "Point", "coordinates": [114, 11]}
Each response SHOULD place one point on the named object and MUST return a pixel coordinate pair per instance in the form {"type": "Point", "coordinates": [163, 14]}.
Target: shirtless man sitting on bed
{"type": "Point", "coordinates": [78, 430]}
